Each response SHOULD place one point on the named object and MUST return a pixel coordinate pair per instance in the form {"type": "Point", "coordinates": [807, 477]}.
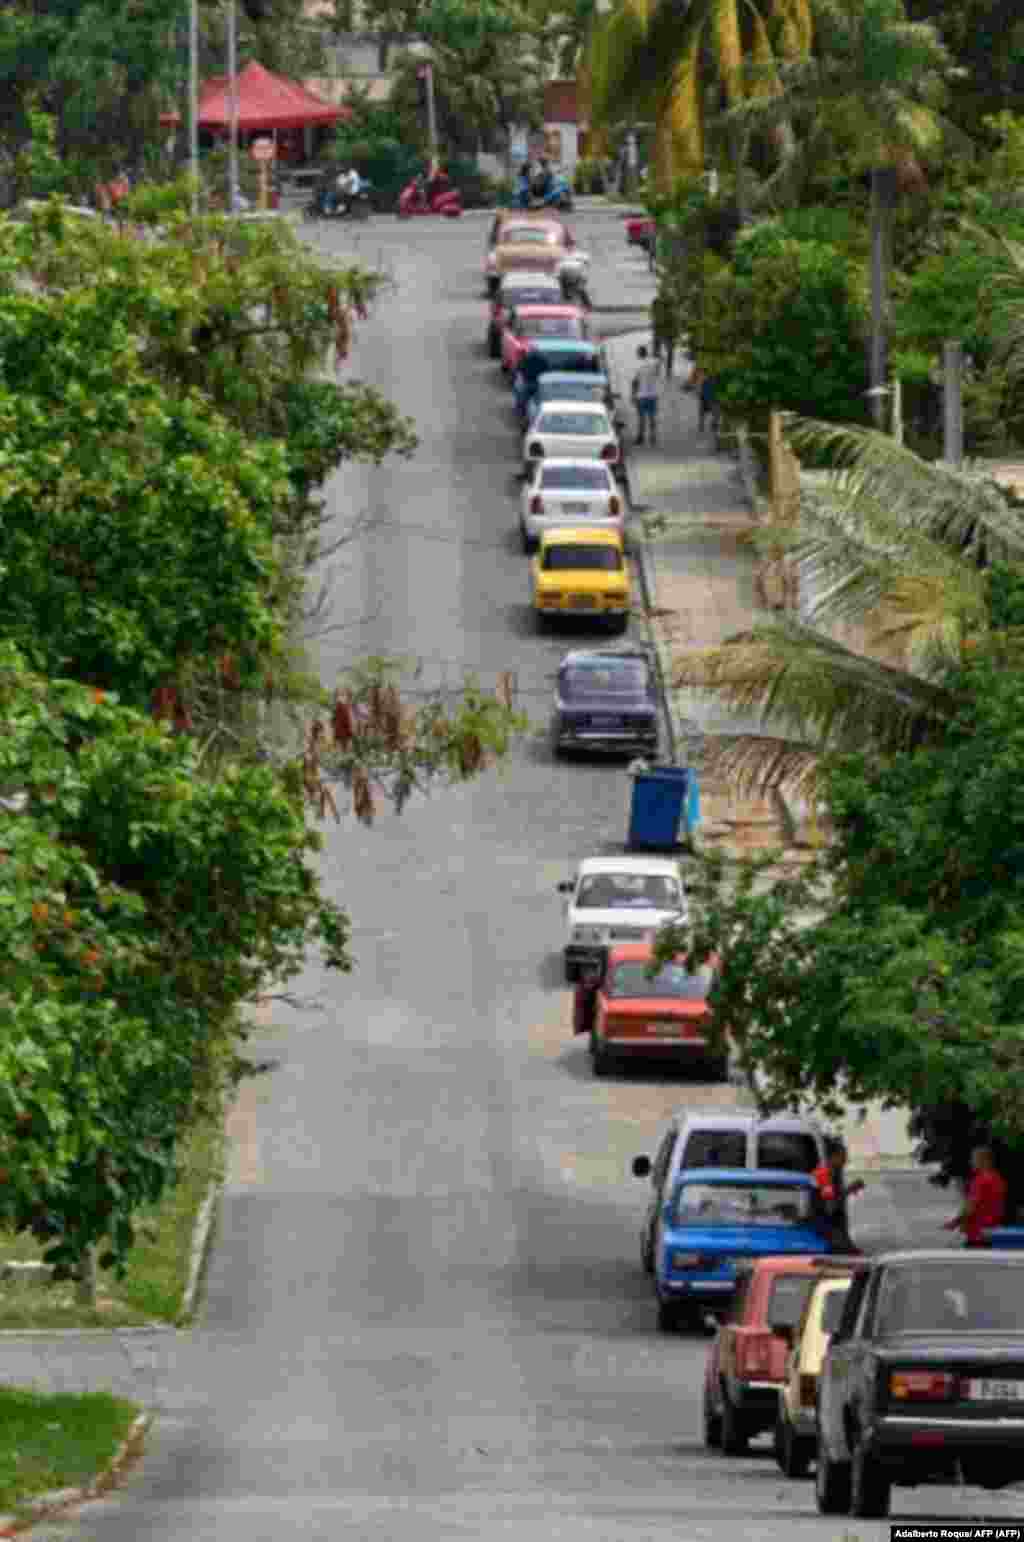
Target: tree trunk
{"type": "Point", "coordinates": [85, 1289]}
{"type": "Point", "coordinates": [883, 198]}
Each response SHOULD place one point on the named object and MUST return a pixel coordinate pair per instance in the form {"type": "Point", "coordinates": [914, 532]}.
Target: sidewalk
{"type": "Point", "coordinates": [701, 580]}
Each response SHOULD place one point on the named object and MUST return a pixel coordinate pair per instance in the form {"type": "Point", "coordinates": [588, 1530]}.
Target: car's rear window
{"type": "Point", "coordinates": [572, 423]}
{"type": "Point", "coordinates": [533, 294]}
{"type": "Point", "coordinates": [584, 363]}
{"type": "Point", "coordinates": [787, 1299]}
{"type": "Point", "coordinates": [580, 558]}
{"type": "Point", "coordinates": [789, 1150]}
{"type": "Point", "coordinates": [594, 478]}
{"type": "Point", "coordinates": [979, 1295]}
{"type": "Point", "coordinates": [742, 1204]}
{"type": "Point", "coordinates": [579, 388]}
{"type": "Point", "coordinates": [603, 677]}
{"type": "Point", "coordinates": [672, 982]}
{"type": "Point", "coordinates": [715, 1148]}
{"type": "Point", "coordinates": [832, 1311]}
{"type": "Point", "coordinates": [552, 326]}
{"type": "Point", "coordinates": [528, 235]}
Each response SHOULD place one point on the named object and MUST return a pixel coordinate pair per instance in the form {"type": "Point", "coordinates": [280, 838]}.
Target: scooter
{"type": "Point", "coordinates": [328, 204]}
{"type": "Point", "coordinates": [413, 200]}
{"type": "Point", "coordinates": [558, 196]}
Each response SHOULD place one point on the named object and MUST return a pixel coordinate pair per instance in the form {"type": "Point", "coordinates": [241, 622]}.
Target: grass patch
{"type": "Point", "coordinates": [53, 1441]}
{"type": "Point", "coordinates": [158, 1264]}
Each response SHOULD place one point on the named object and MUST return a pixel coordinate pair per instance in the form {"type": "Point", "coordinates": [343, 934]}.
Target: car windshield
{"type": "Point", "coordinates": [786, 1302]}
{"type": "Point", "coordinates": [579, 558]}
{"type": "Point", "coordinates": [551, 326]}
{"type": "Point", "coordinates": [979, 1296]}
{"type": "Point", "coordinates": [538, 362]}
{"type": "Point", "coordinates": [593, 478]}
{"type": "Point", "coordinates": [572, 423]}
{"type": "Point", "coordinates": [527, 235]}
{"type": "Point", "coordinates": [578, 390]}
{"type": "Point", "coordinates": [671, 981]}
{"type": "Point", "coordinates": [625, 891]}
{"type": "Point", "coordinates": [604, 677]}
{"type": "Point", "coordinates": [741, 1204]}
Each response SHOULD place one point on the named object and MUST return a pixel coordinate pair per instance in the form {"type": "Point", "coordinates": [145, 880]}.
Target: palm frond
{"type": "Point", "coordinates": [817, 691]}
{"type": "Point", "coordinates": [756, 764]}
{"type": "Point", "coordinates": [963, 510]}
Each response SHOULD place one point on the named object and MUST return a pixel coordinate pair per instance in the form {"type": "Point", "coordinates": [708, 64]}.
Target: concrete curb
{"type": "Point", "coordinates": [55, 1503]}
{"type": "Point", "coordinates": [200, 1246]}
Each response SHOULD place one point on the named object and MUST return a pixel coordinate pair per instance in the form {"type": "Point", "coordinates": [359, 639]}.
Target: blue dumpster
{"type": "Point", "coordinates": [1005, 1236]}
{"type": "Point", "coordinates": [663, 796]}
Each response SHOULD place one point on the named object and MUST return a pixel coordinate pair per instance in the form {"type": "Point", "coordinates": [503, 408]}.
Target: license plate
{"type": "Point", "coordinates": [604, 722]}
{"type": "Point", "coordinates": [576, 508]}
{"type": "Point", "coordinates": [581, 602]}
{"type": "Point", "coordinates": [667, 1030]}
{"type": "Point", "coordinates": [992, 1390]}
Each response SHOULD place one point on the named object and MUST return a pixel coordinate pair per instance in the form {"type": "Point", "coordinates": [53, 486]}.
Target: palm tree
{"type": "Point", "coordinates": [891, 540]}
{"type": "Point", "coordinates": [876, 82]}
{"type": "Point", "coordinates": [666, 58]}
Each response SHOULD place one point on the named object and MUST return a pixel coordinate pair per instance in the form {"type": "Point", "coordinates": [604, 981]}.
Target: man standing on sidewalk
{"type": "Point", "coordinates": [985, 1203]}
{"type": "Point", "coordinates": [646, 384]}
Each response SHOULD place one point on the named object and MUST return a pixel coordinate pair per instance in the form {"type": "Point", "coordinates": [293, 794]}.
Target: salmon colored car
{"type": "Point", "coordinates": [526, 243]}
{"type": "Point", "coordinates": [630, 1016]}
{"type": "Point", "coordinates": [529, 324]}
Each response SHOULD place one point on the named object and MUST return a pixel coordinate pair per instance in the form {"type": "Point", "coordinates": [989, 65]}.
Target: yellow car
{"type": "Point", "coordinates": [581, 572]}
{"type": "Point", "coordinates": [796, 1425]}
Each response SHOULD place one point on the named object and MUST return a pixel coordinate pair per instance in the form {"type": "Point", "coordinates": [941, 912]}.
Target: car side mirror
{"type": "Point", "coordinates": [566, 887]}
{"type": "Point", "coordinates": [641, 1167]}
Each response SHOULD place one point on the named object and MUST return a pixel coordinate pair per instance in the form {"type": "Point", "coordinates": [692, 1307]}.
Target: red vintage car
{"type": "Point", "coordinates": [518, 289]}
{"type": "Point", "coordinates": [639, 230]}
{"type": "Point", "coordinates": [529, 324]}
{"type": "Point", "coordinates": [629, 1016]}
{"type": "Point", "coordinates": [746, 1365]}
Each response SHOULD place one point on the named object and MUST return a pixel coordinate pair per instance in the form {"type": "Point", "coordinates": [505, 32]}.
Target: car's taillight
{"type": "Point", "coordinates": [808, 1390]}
{"type": "Point", "coordinates": [614, 505]}
{"type": "Point", "coordinates": [610, 453]}
{"type": "Point", "coordinates": [922, 1386]}
{"type": "Point", "coordinates": [536, 505]}
{"type": "Point", "coordinates": [536, 448]}
{"type": "Point", "coordinates": [754, 1354]}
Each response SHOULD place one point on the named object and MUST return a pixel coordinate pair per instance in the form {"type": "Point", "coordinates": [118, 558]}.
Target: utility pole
{"type": "Point", "coordinates": [193, 100]}
{"type": "Point", "coordinates": [883, 195]}
{"type": "Point", "coordinates": [897, 409]}
{"type": "Point", "coordinates": [953, 404]}
{"type": "Point", "coordinates": [427, 69]}
{"type": "Point", "coordinates": [233, 109]}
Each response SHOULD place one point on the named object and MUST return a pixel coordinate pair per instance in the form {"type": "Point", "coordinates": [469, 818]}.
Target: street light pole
{"type": "Point", "coordinates": [431, 113]}
{"type": "Point", "coordinates": [233, 89]}
{"type": "Point", "coordinates": [193, 100]}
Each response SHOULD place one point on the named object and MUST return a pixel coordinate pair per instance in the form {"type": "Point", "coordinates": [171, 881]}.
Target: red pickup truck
{"type": "Point", "coordinates": [746, 1364]}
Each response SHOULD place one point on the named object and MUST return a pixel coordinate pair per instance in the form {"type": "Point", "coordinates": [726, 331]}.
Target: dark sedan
{"type": "Point", "coordinates": [923, 1379]}
{"type": "Point", "coordinates": [606, 700]}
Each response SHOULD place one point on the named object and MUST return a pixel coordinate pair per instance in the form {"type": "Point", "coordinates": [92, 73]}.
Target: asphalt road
{"type": "Point", "coordinates": [425, 1314]}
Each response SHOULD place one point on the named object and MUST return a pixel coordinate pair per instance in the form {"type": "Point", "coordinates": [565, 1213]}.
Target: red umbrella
{"type": "Point", "coordinates": [265, 101]}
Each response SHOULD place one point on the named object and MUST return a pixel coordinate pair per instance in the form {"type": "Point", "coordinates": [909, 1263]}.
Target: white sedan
{"type": "Point", "coordinates": [618, 899]}
{"type": "Point", "coordinates": [580, 493]}
{"type": "Point", "coordinates": [571, 431]}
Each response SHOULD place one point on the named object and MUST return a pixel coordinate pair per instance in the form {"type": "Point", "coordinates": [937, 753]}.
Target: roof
{"type": "Point", "coordinates": [769, 1175]}
{"type": "Point", "coordinates": [730, 1119]}
{"type": "Point", "coordinates": [605, 656]}
{"type": "Point", "coordinates": [563, 375]}
{"type": "Point", "coordinates": [561, 102]}
{"type": "Point", "coordinates": [265, 101]}
{"type": "Point", "coordinates": [583, 534]}
{"type": "Point", "coordinates": [527, 276]}
{"type": "Point", "coordinates": [664, 866]}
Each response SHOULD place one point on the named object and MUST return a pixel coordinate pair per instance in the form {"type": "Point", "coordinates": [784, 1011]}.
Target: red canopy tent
{"type": "Point", "coordinates": [265, 102]}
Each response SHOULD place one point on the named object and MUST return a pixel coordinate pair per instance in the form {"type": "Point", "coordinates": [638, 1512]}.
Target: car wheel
{"type": "Point", "coordinates": [572, 972]}
{"type": "Point", "coordinates": [493, 344]}
{"type": "Point", "coordinates": [791, 1452]}
{"type": "Point", "coordinates": [712, 1424]}
{"type": "Point", "coordinates": [870, 1485]}
{"type": "Point", "coordinates": [647, 1251]}
{"type": "Point", "coordinates": [600, 1057]}
{"type": "Point", "coordinates": [718, 1069]}
{"type": "Point", "coordinates": [831, 1483]}
{"type": "Point", "coordinates": [735, 1435]}
{"type": "Point", "coordinates": [670, 1316]}
{"type": "Point", "coordinates": [524, 536]}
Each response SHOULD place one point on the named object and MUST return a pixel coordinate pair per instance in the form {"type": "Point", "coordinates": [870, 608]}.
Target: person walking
{"type": "Point", "coordinates": [646, 385]}
{"type": "Point", "coordinates": [985, 1202]}
{"type": "Point", "coordinates": [708, 402]}
{"type": "Point", "coordinates": [834, 1192]}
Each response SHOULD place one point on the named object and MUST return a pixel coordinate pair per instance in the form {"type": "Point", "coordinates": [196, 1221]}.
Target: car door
{"type": "Point", "coordinates": [659, 1173]}
{"type": "Point", "coordinates": [833, 1381]}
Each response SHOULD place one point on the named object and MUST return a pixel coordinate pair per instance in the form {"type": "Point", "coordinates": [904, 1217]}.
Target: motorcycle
{"type": "Point", "coordinates": [328, 204]}
{"type": "Point", "coordinates": [558, 196]}
{"type": "Point", "coordinates": [413, 200]}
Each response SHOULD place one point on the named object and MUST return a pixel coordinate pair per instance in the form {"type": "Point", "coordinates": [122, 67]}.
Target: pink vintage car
{"type": "Point", "coordinates": [529, 324]}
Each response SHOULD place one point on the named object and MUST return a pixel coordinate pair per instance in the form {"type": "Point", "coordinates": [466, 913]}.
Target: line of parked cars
{"type": "Point", "coordinates": [900, 1369]}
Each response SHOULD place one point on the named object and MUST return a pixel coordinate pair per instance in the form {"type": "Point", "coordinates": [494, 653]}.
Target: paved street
{"type": "Point", "coordinates": [425, 1315]}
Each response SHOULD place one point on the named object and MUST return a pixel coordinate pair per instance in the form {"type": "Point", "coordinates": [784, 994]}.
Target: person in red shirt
{"type": "Point", "coordinates": [986, 1200]}
{"type": "Point", "coordinates": [834, 1191]}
